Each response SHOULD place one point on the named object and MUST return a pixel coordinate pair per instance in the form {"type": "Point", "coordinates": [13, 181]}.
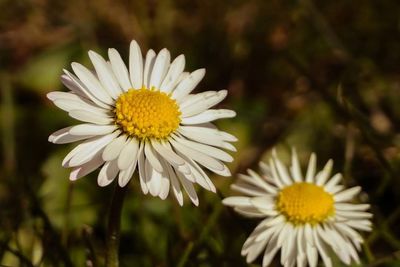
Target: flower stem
{"type": "Point", "coordinates": [113, 230]}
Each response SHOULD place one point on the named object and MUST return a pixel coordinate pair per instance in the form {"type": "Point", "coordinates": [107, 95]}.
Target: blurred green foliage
{"type": "Point", "coordinates": [322, 76]}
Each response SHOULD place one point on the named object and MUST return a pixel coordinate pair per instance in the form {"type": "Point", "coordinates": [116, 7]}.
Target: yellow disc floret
{"type": "Point", "coordinates": [147, 113]}
{"type": "Point", "coordinates": [303, 203]}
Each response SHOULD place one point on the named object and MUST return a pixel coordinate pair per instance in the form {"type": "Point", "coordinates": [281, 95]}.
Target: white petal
{"type": "Point", "coordinates": [209, 139]}
{"type": "Point", "coordinates": [151, 156]}
{"type": "Point", "coordinates": [79, 104]}
{"type": "Point", "coordinates": [153, 180]}
{"type": "Point", "coordinates": [333, 182]}
{"type": "Point", "coordinates": [92, 129]}
{"type": "Point", "coordinates": [141, 166]}
{"type": "Point", "coordinates": [188, 186]}
{"type": "Point", "coordinates": [354, 214]}
{"type": "Point", "coordinates": [126, 175]}
{"type": "Point", "coordinates": [247, 190]}
{"type": "Point", "coordinates": [312, 164]}
{"type": "Point", "coordinates": [282, 171]}
{"type": "Point", "coordinates": [91, 117]}
{"type": "Point", "coordinates": [148, 66]}
{"type": "Point", "coordinates": [270, 251]}
{"type": "Point", "coordinates": [63, 136]}
{"type": "Point", "coordinates": [71, 85]}
{"type": "Point", "coordinates": [263, 203]}
{"type": "Point", "coordinates": [136, 65]}
{"type": "Point", "coordinates": [119, 68]}
{"type": "Point", "coordinates": [188, 84]}
{"type": "Point", "coordinates": [295, 168]}
{"type": "Point", "coordinates": [106, 77]}
{"type": "Point", "coordinates": [92, 83]}
{"type": "Point", "coordinates": [86, 91]}
{"type": "Point", "coordinates": [176, 188]}
{"type": "Point", "coordinates": [108, 173]}
{"type": "Point", "coordinates": [114, 148]}
{"type": "Point", "coordinates": [176, 68]}
{"type": "Point", "coordinates": [197, 174]}
{"type": "Point", "coordinates": [208, 150]}
{"type": "Point", "coordinates": [128, 154]}
{"type": "Point", "coordinates": [198, 130]}
{"type": "Point", "coordinates": [237, 201]}
{"type": "Point", "coordinates": [275, 175]}
{"type": "Point", "coordinates": [160, 68]}
{"type": "Point", "coordinates": [322, 250]}
{"type": "Point", "coordinates": [205, 102]}
{"type": "Point", "coordinates": [256, 180]}
{"type": "Point", "coordinates": [323, 176]}
{"type": "Point", "coordinates": [347, 194]}
{"type": "Point", "coordinates": [312, 255]}
{"type": "Point", "coordinates": [167, 153]}
{"type": "Point", "coordinates": [209, 115]}
{"type": "Point", "coordinates": [86, 168]}
{"type": "Point", "coordinates": [203, 159]}
{"type": "Point", "coordinates": [89, 149]}
{"type": "Point", "coordinates": [62, 95]}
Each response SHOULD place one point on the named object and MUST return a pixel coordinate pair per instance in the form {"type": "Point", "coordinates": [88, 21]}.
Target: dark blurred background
{"type": "Point", "coordinates": [322, 76]}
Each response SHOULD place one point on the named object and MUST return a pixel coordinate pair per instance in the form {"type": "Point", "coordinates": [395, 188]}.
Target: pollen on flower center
{"type": "Point", "coordinates": [147, 113]}
{"type": "Point", "coordinates": [303, 203]}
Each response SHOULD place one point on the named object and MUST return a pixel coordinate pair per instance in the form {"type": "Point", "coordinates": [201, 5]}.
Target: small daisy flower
{"type": "Point", "coordinates": [143, 117]}
{"type": "Point", "coordinates": [304, 216]}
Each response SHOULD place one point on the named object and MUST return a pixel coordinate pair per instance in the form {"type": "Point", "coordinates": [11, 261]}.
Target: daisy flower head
{"type": "Point", "coordinates": [143, 118]}
{"type": "Point", "coordinates": [303, 216]}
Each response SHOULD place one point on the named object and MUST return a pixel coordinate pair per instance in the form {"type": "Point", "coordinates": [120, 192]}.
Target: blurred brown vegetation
{"type": "Point", "coordinates": [323, 76]}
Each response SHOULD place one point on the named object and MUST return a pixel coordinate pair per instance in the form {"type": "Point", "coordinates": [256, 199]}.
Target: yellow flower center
{"type": "Point", "coordinates": [147, 113]}
{"type": "Point", "coordinates": [303, 203]}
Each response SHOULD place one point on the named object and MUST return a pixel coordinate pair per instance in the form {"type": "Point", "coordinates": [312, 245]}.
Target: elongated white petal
{"type": "Point", "coordinates": [152, 157]}
{"type": "Point", "coordinates": [205, 102]}
{"type": "Point", "coordinates": [209, 115]}
{"type": "Point", "coordinates": [90, 117]}
{"type": "Point", "coordinates": [167, 153]}
{"type": "Point", "coordinates": [160, 68]}
{"type": "Point", "coordinates": [188, 84]}
{"type": "Point", "coordinates": [88, 93]}
{"type": "Point", "coordinates": [198, 130]}
{"type": "Point", "coordinates": [208, 150]}
{"type": "Point", "coordinates": [86, 168]}
{"type": "Point", "coordinates": [71, 85]}
{"type": "Point", "coordinates": [63, 136]}
{"type": "Point", "coordinates": [347, 194]}
{"type": "Point", "coordinates": [114, 148]}
{"type": "Point", "coordinates": [213, 140]}
{"type": "Point", "coordinates": [188, 186]}
{"type": "Point", "coordinates": [108, 173]}
{"type": "Point", "coordinates": [91, 129]}
{"type": "Point", "coordinates": [148, 67]}
{"type": "Point", "coordinates": [136, 65]}
{"type": "Point", "coordinates": [176, 188]}
{"type": "Point", "coordinates": [295, 168]}
{"type": "Point", "coordinates": [91, 83]}
{"type": "Point", "coordinates": [128, 154]}
{"type": "Point", "coordinates": [312, 165]}
{"type": "Point", "coordinates": [106, 77]}
{"type": "Point", "coordinates": [141, 167]}
{"type": "Point", "coordinates": [126, 175]}
{"type": "Point", "coordinates": [119, 68]}
{"type": "Point", "coordinates": [90, 149]}
{"type": "Point", "coordinates": [171, 79]}
{"type": "Point", "coordinates": [323, 176]}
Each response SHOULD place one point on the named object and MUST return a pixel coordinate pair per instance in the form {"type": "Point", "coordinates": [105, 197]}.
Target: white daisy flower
{"type": "Point", "coordinates": [143, 117]}
{"type": "Point", "coordinates": [304, 216]}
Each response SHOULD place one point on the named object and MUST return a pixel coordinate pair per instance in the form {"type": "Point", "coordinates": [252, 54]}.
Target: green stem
{"type": "Point", "coordinates": [114, 224]}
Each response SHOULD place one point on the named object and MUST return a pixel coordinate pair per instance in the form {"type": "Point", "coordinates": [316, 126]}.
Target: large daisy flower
{"type": "Point", "coordinates": [304, 216]}
{"type": "Point", "coordinates": [143, 118]}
